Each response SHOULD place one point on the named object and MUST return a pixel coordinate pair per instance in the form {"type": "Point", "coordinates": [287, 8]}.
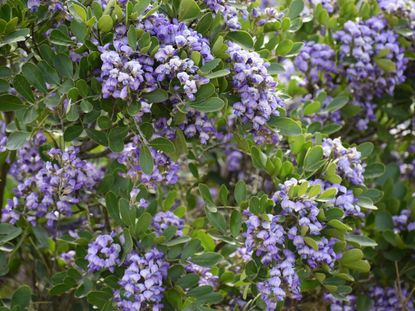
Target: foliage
{"type": "Point", "coordinates": [206, 154]}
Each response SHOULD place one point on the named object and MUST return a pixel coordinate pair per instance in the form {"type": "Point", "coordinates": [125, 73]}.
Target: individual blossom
{"type": "Point", "coordinates": [103, 253]}
{"type": "Point", "coordinates": [336, 304]}
{"type": "Point", "coordinates": [387, 299]}
{"type": "Point", "coordinates": [164, 220]}
{"type": "Point", "coordinates": [165, 170]}
{"type": "Point", "coordinates": [142, 282]}
{"type": "Point", "coordinates": [3, 136]}
{"type": "Point", "coordinates": [317, 62]}
{"type": "Point", "coordinates": [403, 221]}
{"type": "Point", "coordinates": [348, 160]}
{"type": "Point", "coordinates": [230, 10]}
{"type": "Point", "coordinates": [206, 278]}
{"type": "Point", "coordinates": [255, 87]}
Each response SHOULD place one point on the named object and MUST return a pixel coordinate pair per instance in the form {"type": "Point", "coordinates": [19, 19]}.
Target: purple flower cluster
{"type": "Point", "coordinates": [206, 278]}
{"type": "Point", "coordinates": [142, 282]}
{"type": "Point", "coordinates": [268, 236]}
{"type": "Point", "coordinates": [402, 222]}
{"type": "Point", "coordinates": [348, 160]}
{"type": "Point", "coordinates": [337, 304]}
{"type": "Point", "coordinates": [230, 11]}
{"type": "Point", "coordinates": [317, 62]}
{"type": "Point", "coordinates": [163, 220]}
{"type": "Point", "coordinates": [103, 253]}
{"type": "Point", "coordinates": [363, 47]}
{"type": "Point", "coordinates": [165, 170]}
{"type": "Point", "coordinates": [50, 189]}
{"type": "Point", "coordinates": [53, 5]}
{"type": "Point", "coordinates": [3, 136]}
{"type": "Point", "coordinates": [255, 87]}
{"type": "Point", "coordinates": [404, 9]}
{"type": "Point", "coordinates": [272, 289]}
{"type": "Point", "coordinates": [387, 299]}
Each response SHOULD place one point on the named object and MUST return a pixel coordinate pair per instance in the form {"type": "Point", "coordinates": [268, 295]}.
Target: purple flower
{"type": "Point", "coordinates": [349, 163]}
{"type": "Point", "coordinates": [142, 282]}
{"type": "Point", "coordinates": [163, 220]}
{"type": "Point", "coordinates": [103, 253]}
{"type": "Point", "coordinates": [206, 278]}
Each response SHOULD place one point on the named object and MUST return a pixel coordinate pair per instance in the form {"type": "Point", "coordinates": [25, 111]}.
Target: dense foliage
{"type": "Point", "coordinates": [207, 155]}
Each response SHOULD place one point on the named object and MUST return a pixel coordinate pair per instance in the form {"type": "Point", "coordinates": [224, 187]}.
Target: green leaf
{"type": "Point", "coordinates": [374, 170]}
{"type": "Point", "coordinates": [33, 74]}
{"type": "Point", "coordinates": [313, 156]}
{"type": "Point", "coordinates": [383, 221]}
{"type": "Point", "coordinates": [218, 74]}
{"type": "Point", "coordinates": [286, 126]}
{"type": "Point", "coordinates": [209, 66]}
{"type": "Point", "coordinates": [359, 266]}
{"type": "Point", "coordinates": [23, 88]}
{"type": "Point", "coordinates": [177, 241]}
{"type": "Point", "coordinates": [360, 240]}
{"type": "Point", "coordinates": [99, 298]}
{"type": "Point", "coordinates": [188, 9]}
{"type": "Point", "coordinates": [241, 37]}
{"type": "Point", "coordinates": [236, 223]}
{"type": "Point", "coordinates": [146, 160]}
{"type": "Point", "coordinates": [143, 222]}
{"type": "Point", "coordinates": [63, 65]}
{"type": "Point", "coordinates": [207, 259]}
{"type": "Point", "coordinates": [284, 47]}
{"type": "Point", "coordinates": [10, 103]}
{"type": "Point", "coordinates": [16, 36]}
{"type": "Point", "coordinates": [217, 220]}
{"type": "Point", "coordinates": [205, 193]}
{"type": "Point", "coordinates": [17, 139]}
{"type": "Point", "coordinates": [259, 159]}
{"type": "Point", "coordinates": [240, 191]}
{"type": "Point", "coordinates": [311, 242]}
{"type": "Point", "coordinates": [58, 37]}
{"type": "Point", "coordinates": [296, 7]}
{"type": "Point", "coordinates": [8, 232]}
{"type": "Point", "coordinates": [97, 136]}
{"type": "Point", "coordinates": [21, 298]}
{"type": "Point", "coordinates": [209, 105]}
{"type": "Point", "coordinates": [386, 64]}
{"type": "Point", "coordinates": [116, 138]}
{"type": "Point", "coordinates": [365, 149]}
{"type": "Point", "coordinates": [105, 23]}
{"type": "Point", "coordinates": [163, 144]}
{"type": "Point", "coordinates": [157, 96]}
{"type": "Point", "coordinates": [335, 223]}
{"type": "Point", "coordinates": [337, 103]}
{"type": "Point", "coordinates": [275, 69]}
{"type": "Point", "coordinates": [351, 256]}
{"type": "Point", "coordinates": [72, 132]}
{"type": "Point", "coordinates": [223, 194]}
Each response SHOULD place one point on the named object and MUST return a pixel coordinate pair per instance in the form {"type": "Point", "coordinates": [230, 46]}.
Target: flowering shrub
{"type": "Point", "coordinates": [207, 155]}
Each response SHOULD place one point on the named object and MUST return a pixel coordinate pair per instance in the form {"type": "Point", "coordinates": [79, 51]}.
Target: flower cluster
{"type": "Point", "coordinates": [3, 136]}
{"type": "Point", "coordinates": [165, 170]}
{"type": "Point", "coordinates": [365, 48]}
{"type": "Point", "coordinates": [404, 9]}
{"type": "Point", "coordinates": [255, 87]}
{"type": "Point", "coordinates": [337, 304]}
{"type": "Point", "coordinates": [142, 282]}
{"type": "Point", "coordinates": [317, 62]}
{"type": "Point", "coordinates": [164, 220]}
{"type": "Point", "coordinates": [103, 253]}
{"type": "Point", "coordinates": [387, 298]}
{"type": "Point", "coordinates": [348, 160]}
{"type": "Point", "coordinates": [206, 278]}
{"type": "Point", "coordinates": [54, 5]}
{"type": "Point", "coordinates": [50, 189]}
{"type": "Point", "coordinates": [230, 11]}
{"type": "Point", "coordinates": [267, 236]}
{"type": "Point", "coordinates": [402, 222]}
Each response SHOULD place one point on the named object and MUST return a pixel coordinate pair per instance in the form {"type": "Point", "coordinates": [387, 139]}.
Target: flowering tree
{"type": "Point", "coordinates": [207, 155]}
